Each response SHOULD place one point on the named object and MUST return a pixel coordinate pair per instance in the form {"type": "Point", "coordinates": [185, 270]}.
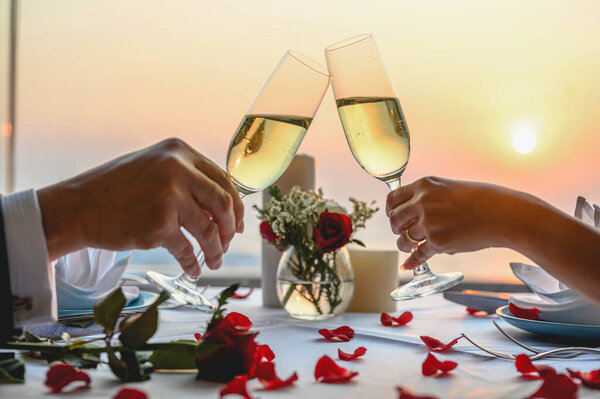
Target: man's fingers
{"type": "Point", "coordinates": [420, 256]}
{"type": "Point", "coordinates": [206, 232]}
{"type": "Point", "coordinates": [182, 250]}
{"type": "Point", "coordinates": [398, 197]}
{"type": "Point", "coordinates": [218, 175]}
{"type": "Point", "coordinates": [218, 202]}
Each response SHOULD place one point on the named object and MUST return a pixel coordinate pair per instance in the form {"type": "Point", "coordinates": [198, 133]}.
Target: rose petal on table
{"type": "Point", "coordinates": [558, 386]}
{"type": "Point", "coordinates": [358, 352]}
{"type": "Point", "coordinates": [343, 333]}
{"type": "Point", "coordinates": [243, 296]}
{"type": "Point", "coordinates": [62, 374]}
{"type": "Point", "coordinates": [264, 352]}
{"type": "Point", "coordinates": [477, 313]}
{"type": "Point", "coordinates": [237, 386]}
{"type": "Point", "coordinates": [524, 313]}
{"type": "Point", "coordinates": [197, 336]}
{"type": "Point", "coordinates": [524, 365]}
{"type": "Point", "coordinates": [265, 372]}
{"type": "Point", "coordinates": [390, 321]}
{"type": "Point", "coordinates": [590, 379]}
{"type": "Point", "coordinates": [130, 393]}
{"type": "Point", "coordinates": [437, 345]}
{"type": "Point", "coordinates": [406, 394]}
{"type": "Point", "coordinates": [431, 366]}
{"type": "Point", "coordinates": [329, 372]}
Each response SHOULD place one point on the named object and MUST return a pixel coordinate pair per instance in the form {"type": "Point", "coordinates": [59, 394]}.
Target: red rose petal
{"type": "Point", "coordinates": [360, 351]}
{"type": "Point", "coordinates": [266, 231]}
{"type": "Point", "coordinates": [264, 352]}
{"type": "Point", "coordinates": [405, 394]}
{"type": "Point", "coordinates": [343, 333]}
{"type": "Point", "coordinates": [401, 320]}
{"type": "Point", "coordinates": [243, 296]}
{"type": "Point", "coordinates": [545, 371]}
{"type": "Point", "coordinates": [524, 364]}
{"type": "Point", "coordinates": [265, 372]}
{"type": "Point", "coordinates": [558, 386]}
{"type": "Point", "coordinates": [130, 393]}
{"type": "Point", "coordinates": [590, 379]}
{"type": "Point", "coordinates": [432, 365]}
{"type": "Point", "coordinates": [197, 336]}
{"type": "Point", "coordinates": [237, 386]}
{"type": "Point", "coordinates": [524, 313]}
{"type": "Point", "coordinates": [477, 313]}
{"type": "Point", "coordinates": [62, 374]}
{"type": "Point", "coordinates": [436, 345]}
{"type": "Point", "coordinates": [328, 371]}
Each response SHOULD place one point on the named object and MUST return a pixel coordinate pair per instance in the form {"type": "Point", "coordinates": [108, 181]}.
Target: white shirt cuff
{"type": "Point", "coordinates": [31, 275]}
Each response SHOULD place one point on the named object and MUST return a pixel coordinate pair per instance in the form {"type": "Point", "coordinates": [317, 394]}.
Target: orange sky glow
{"type": "Point", "coordinates": [97, 79]}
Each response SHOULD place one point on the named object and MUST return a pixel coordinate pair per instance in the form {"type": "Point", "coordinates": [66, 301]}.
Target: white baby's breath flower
{"type": "Point", "coordinates": [66, 337]}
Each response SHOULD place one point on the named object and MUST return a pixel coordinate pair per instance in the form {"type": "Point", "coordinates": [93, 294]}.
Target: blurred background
{"type": "Point", "coordinates": [505, 92]}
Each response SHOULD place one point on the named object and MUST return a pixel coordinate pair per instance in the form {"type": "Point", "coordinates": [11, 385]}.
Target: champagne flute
{"type": "Point", "coordinates": [377, 133]}
{"type": "Point", "coordinates": [263, 146]}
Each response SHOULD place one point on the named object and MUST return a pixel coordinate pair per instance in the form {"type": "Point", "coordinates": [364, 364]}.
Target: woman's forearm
{"type": "Point", "coordinates": [564, 246]}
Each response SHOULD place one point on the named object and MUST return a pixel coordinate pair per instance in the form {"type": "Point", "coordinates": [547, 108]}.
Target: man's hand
{"type": "Point", "coordinates": [141, 200]}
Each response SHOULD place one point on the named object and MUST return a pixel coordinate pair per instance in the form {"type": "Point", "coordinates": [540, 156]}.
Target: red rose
{"type": "Point", "coordinates": [333, 231]}
{"type": "Point", "coordinates": [266, 231]}
{"type": "Point", "coordinates": [237, 353]}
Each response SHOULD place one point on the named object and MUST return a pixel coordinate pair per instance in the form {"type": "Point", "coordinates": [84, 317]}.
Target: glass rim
{"type": "Point", "coordinates": [348, 42]}
{"type": "Point", "coordinates": [309, 62]}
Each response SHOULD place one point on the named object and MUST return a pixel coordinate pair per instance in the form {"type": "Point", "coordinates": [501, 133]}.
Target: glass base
{"type": "Point", "coordinates": [183, 289]}
{"type": "Point", "coordinates": [426, 284]}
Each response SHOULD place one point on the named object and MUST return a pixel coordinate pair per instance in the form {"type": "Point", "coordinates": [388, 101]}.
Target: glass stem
{"type": "Point", "coordinates": [184, 278]}
{"type": "Point", "coordinates": [393, 184]}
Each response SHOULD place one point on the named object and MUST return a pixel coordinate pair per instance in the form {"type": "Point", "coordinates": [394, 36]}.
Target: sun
{"type": "Point", "coordinates": [523, 140]}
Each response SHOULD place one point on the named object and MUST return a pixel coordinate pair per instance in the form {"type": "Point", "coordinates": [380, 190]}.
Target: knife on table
{"type": "Point", "coordinates": [479, 300]}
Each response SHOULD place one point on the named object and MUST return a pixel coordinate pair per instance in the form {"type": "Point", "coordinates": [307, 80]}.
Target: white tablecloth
{"type": "Point", "coordinates": [394, 356]}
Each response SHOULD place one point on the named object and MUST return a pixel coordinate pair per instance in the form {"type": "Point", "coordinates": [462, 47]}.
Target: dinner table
{"type": "Point", "coordinates": [394, 356]}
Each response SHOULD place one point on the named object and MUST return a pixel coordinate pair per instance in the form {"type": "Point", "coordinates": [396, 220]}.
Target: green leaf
{"type": "Point", "coordinates": [223, 297]}
{"type": "Point", "coordinates": [30, 337]}
{"type": "Point", "coordinates": [138, 329]}
{"type": "Point", "coordinates": [12, 371]}
{"type": "Point", "coordinates": [358, 242]}
{"type": "Point", "coordinates": [108, 309]}
{"type": "Point", "coordinates": [176, 357]}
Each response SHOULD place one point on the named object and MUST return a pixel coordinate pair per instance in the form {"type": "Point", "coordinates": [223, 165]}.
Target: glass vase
{"type": "Point", "coordinates": [315, 288]}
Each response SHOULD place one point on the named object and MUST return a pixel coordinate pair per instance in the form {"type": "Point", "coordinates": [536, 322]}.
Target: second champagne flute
{"type": "Point", "coordinates": [263, 145]}
{"type": "Point", "coordinates": [377, 133]}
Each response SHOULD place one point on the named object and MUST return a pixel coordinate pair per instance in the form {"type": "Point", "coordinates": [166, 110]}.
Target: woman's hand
{"type": "Point", "coordinates": [141, 200]}
{"type": "Point", "coordinates": [446, 216]}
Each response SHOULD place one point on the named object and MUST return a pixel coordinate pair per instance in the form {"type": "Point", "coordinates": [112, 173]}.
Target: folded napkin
{"type": "Point", "coordinates": [556, 301]}
{"type": "Point", "coordinates": [85, 276]}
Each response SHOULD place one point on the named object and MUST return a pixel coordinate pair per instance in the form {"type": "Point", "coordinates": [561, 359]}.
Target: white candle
{"type": "Point", "coordinates": [301, 172]}
{"type": "Point", "coordinates": [375, 276]}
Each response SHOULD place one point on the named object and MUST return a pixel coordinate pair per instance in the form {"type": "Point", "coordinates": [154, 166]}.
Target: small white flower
{"type": "Point", "coordinates": [66, 337]}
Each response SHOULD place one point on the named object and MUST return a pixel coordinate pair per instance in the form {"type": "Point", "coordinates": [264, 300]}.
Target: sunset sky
{"type": "Point", "coordinates": [98, 79]}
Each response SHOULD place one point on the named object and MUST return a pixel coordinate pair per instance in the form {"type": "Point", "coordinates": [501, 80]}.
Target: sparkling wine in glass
{"type": "Point", "coordinates": [377, 133]}
{"type": "Point", "coordinates": [263, 145]}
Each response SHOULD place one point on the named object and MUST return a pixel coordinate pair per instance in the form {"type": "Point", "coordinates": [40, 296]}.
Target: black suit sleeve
{"type": "Point", "coordinates": [6, 313]}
